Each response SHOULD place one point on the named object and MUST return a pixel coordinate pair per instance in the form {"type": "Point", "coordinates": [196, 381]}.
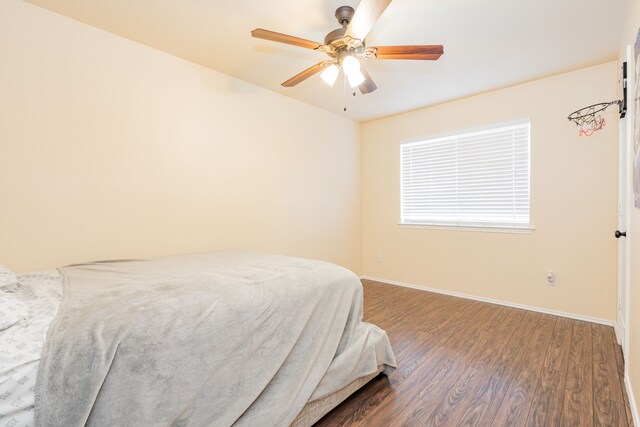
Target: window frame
{"type": "Point", "coordinates": [460, 226]}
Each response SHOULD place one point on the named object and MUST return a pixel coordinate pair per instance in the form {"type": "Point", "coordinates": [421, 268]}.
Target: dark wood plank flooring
{"type": "Point", "coordinates": [468, 363]}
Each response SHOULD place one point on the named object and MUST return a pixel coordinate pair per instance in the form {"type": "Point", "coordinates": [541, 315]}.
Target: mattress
{"type": "Point", "coordinates": [21, 345]}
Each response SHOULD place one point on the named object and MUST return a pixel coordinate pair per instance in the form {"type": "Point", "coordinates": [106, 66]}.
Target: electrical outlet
{"type": "Point", "coordinates": [379, 258]}
{"type": "Point", "coordinates": [551, 278]}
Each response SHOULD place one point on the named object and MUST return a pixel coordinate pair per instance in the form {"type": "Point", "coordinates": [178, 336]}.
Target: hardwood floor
{"type": "Point", "coordinates": [468, 363]}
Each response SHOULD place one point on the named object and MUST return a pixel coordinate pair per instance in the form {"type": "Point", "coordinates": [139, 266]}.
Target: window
{"type": "Point", "coordinates": [475, 179]}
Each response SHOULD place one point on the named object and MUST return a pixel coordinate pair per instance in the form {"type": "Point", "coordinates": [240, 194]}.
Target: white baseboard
{"type": "Point", "coordinates": [632, 400]}
{"type": "Point", "coordinates": [495, 301]}
{"type": "Point", "coordinates": [617, 333]}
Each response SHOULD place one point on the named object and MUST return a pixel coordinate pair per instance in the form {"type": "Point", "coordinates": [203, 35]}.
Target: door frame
{"type": "Point", "coordinates": [625, 203]}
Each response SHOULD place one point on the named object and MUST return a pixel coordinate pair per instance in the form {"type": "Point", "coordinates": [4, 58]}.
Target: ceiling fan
{"type": "Point", "coordinates": [346, 44]}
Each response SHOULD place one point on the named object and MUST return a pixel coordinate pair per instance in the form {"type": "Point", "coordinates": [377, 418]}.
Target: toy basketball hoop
{"type": "Point", "coordinates": [589, 119]}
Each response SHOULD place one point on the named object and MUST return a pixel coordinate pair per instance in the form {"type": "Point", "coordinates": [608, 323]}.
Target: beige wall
{"type": "Point", "coordinates": [573, 202]}
{"type": "Point", "coordinates": [111, 149]}
{"type": "Point", "coordinates": [633, 234]}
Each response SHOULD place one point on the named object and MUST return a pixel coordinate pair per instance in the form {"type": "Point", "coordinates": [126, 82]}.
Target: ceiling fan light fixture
{"type": "Point", "coordinates": [330, 74]}
{"type": "Point", "coordinates": [356, 78]}
{"type": "Point", "coordinates": [350, 65]}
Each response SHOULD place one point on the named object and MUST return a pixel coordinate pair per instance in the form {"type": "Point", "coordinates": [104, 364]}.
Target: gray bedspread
{"type": "Point", "coordinates": [212, 339]}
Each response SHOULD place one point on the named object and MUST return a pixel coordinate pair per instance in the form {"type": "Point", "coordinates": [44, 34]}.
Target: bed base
{"type": "Point", "coordinates": [314, 411]}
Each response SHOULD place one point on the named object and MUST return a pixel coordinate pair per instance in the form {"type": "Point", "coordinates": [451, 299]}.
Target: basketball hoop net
{"type": "Point", "coordinates": [589, 119]}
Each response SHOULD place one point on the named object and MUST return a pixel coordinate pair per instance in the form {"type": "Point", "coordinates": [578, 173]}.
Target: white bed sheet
{"type": "Point", "coordinates": [21, 345]}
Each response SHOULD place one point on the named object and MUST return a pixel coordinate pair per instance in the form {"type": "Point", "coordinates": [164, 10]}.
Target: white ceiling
{"type": "Point", "coordinates": [488, 44]}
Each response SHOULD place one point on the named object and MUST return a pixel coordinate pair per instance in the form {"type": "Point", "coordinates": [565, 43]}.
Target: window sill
{"type": "Point", "coordinates": [475, 228]}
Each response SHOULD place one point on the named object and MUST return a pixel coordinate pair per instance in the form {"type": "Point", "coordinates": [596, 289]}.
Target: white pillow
{"type": "Point", "coordinates": [8, 279]}
{"type": "Point", "coordinates": [12, 310]}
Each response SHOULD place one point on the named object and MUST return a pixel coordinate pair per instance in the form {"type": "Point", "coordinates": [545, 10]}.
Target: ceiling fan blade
{"type": "Point", "coordinates": [299, 78]}
{"type": "Point", "coordinates": [368, 85]}
{"type": "Point", "coordinates": [420, 52]}
{"type": "Point", "coordinates": [284, 38]}
{"type": "Point", "coordinates": [365, 17]}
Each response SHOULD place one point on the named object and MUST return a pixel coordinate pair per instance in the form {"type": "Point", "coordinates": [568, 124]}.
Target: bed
{"type": "Point", "coordinates": [220, 338]}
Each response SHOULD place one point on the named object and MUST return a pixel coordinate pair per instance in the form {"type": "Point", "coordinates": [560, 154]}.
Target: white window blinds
{"type": "Point", "coordinates": [478, 179]}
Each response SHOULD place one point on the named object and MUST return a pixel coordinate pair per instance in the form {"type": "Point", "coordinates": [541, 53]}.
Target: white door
{"type": "Point", "coordinates": [625, 198]}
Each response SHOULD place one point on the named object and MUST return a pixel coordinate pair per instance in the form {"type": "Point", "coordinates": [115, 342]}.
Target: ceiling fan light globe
{"type": "Point", "coordinates": [356, 78]}
{"type": "Point", "coordinates": [330, 74]}
{"type": "Point", "coordinates": [350, 65]}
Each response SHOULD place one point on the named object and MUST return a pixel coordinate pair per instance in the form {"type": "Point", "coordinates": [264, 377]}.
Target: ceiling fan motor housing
{"type": "Point", "coordinates": [336, 40]}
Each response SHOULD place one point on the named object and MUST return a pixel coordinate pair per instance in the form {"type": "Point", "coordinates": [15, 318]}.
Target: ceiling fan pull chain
{"type": "Point", "coordinates": [346, 89]}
